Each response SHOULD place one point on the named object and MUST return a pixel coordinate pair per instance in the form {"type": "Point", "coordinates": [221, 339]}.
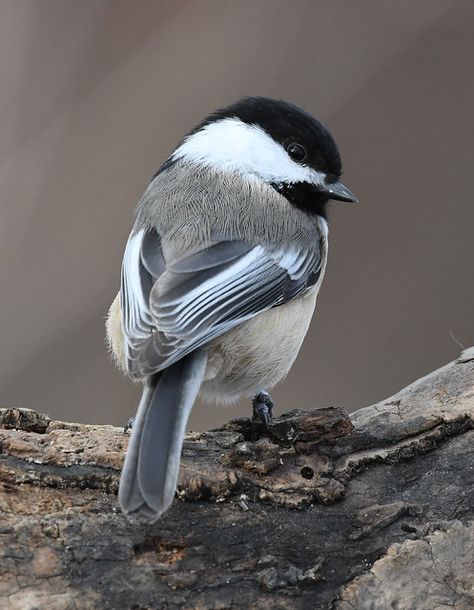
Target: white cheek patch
{"type": "Point", "coordinates": [231, 145]}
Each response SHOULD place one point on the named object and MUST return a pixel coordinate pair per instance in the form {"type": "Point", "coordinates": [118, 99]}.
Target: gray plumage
{"type": "Point", "coordinates": [196, 283]}
{"type": "Point", "coordinates": [151, 465]}
{"type": "Point", "coordinates": [219, 282]}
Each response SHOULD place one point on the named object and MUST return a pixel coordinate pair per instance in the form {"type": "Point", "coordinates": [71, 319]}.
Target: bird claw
{"type": "Point", "coordinates": [262, 409]}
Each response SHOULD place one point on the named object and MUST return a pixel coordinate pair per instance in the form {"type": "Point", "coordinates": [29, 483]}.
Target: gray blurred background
{"type": "Point", "coordinates": [94, 96]}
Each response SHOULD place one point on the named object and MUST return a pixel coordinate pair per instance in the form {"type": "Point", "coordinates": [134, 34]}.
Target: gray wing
{"type": "Point", "coordinates": [171, 309]}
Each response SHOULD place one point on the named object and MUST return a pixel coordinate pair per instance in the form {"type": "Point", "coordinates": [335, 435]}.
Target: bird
{"type": "Point", "coordinates": [219, 277]}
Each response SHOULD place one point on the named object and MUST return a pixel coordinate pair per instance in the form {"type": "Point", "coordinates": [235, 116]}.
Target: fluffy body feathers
{"type": "Point", "coordinates": [191, 210]}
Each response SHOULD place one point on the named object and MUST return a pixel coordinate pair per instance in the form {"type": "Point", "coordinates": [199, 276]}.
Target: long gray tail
{"type": "Point", "coordinates": [151, 467]}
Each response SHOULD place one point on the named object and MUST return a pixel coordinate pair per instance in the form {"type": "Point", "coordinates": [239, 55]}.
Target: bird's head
{"type": "Point", "coordinates": [274, 141]}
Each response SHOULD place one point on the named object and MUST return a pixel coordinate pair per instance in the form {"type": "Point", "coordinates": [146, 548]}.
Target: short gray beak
{"type": "Point", "coordinates": [339, 192]}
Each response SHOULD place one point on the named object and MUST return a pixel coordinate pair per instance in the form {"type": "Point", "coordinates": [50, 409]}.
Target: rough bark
{"type": "Point", "coordinates": [368, 512]}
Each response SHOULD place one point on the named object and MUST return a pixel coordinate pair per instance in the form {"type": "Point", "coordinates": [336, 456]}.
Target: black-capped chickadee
{"type": "Point", "coordinates": [220, 277]}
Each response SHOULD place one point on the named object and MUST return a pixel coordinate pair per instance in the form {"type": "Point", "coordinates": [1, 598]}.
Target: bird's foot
{"type": "Point", "coordinates": [262, 409]}
{"type": "Point", "coordinates": [129, 425]}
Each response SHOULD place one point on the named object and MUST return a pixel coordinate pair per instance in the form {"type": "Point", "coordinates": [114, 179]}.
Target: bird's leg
{"type": "Point", "coordinates": [129, 425]}
{"type": "Point", "coordinates": [262, 409]}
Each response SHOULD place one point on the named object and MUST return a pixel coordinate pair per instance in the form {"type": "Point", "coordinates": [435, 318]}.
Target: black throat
{"type": "Point", "coordinates": [305, 197]}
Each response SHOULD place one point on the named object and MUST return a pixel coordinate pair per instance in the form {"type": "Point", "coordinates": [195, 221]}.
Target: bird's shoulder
{"type": "Point", "coordinates": [192, 208]}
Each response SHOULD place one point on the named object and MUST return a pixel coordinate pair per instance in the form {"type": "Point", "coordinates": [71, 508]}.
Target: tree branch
{"type": "Point", "coordinates": [330, 512]}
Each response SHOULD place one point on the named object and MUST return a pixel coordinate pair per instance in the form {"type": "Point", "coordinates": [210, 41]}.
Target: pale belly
{"type": "Point", "coordinates": [259, 353]}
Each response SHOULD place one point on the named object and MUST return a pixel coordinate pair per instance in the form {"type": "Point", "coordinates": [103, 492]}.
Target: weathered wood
{"type": "Point", "coordinates": [368, 512]}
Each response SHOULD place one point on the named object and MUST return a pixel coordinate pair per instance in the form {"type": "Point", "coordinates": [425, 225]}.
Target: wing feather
{"type": "Point", "coordinates": [171, 309]}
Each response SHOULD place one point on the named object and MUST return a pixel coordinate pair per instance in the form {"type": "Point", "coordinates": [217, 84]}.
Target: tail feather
{"type": "Point", "coordinates": [151, 467]}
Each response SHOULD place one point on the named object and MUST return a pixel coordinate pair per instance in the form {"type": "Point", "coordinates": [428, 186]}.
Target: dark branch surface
{"type": "Point", "coordinates": [368, 512]}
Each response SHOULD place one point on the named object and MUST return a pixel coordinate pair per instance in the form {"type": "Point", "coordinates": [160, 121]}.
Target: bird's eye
{"type": "Point", "coordinates": [296, 152]}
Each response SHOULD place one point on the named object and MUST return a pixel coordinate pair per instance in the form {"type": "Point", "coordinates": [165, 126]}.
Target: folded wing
{"type": "Point", "coordinates": [171, 308]}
